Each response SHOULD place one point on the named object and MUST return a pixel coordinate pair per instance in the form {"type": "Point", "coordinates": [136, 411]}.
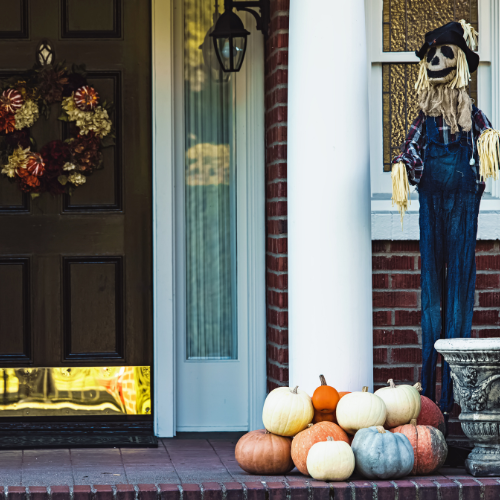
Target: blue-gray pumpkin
{"type": "Point", "coordinates": [382, 455]}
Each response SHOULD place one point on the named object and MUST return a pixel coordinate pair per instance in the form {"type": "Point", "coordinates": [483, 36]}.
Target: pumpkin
{"type": "Point", "coordinates": [429, 447]}
{"type": "Point", "coordinates": [430, 414]}
{"type": "Point", "coordinates": [316, 433]}
{"type": "Point", "coordinates": [260, 452]}
{"type": "Point", "coordinates": [287, 411]}
{"type": "Point", "coordinates": [329, 417]}
{"type": "Point", "coordinates": [358, 410]}
{"type": "Point", "coordinates": [402, 403]}
{"type": "Point", "coordinates": [330, 460]}
{"type": "Point", "coordinates": [325, 397]}
{"type": "Point", "coordinates": [382, 455]}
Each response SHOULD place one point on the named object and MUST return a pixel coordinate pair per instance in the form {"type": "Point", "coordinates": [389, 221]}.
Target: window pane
{"type": "Point", "coordinates": [210, 206]}
{"type": "Point", "coordinates": [407, 21]}
{"type": "Point", "coordinates": [400, 105]}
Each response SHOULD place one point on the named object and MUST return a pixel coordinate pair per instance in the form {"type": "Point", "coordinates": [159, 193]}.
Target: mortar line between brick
{"type": "Point", "coordinates": [123, 465]}
{"type": "Point", "coordinates": [71, 465]}
{"type": "Point", "coordinates": [172, 462]}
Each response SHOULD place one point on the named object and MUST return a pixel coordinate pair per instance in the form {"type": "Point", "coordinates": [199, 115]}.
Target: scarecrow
{"type": "Point", "coordinates": [450, 151]}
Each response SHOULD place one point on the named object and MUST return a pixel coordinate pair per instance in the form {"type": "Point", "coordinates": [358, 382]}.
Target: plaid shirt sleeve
{"type": "Point", "coordinates": [481, 122]}
{"type": "Point", "coordinates": [413, 149]}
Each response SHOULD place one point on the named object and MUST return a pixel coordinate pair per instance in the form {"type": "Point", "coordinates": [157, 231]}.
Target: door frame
{"type": "Point", "coordinates": [251, 202]}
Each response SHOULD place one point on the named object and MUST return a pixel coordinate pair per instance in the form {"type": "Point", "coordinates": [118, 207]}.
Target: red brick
{"type": "Point", "coordinates": [487, 333]}
{"type": "Point", "coordinates": [191, 492]}
{"type": "Point", "coordinates": [17, 493]}
{"type": "Point", "coordinates": [320, 490]}
{"type": "Point", "coordinates": [341, 491]}
{"type": "Point", "coordinates": [299, 490]}
{"type": "Point", "coordinates": [279, 41]}
{"type": "Point", "coordinates": [277, 318]}
{"type": "Point", "coordinates": [385, 490]}
{"type": "Point", "coordinates": [274, 385]}
{"type": "Point", "coordinates": [279, 281]}
{"type": "Point", "coordinates": [406, 355]}
{"type": "Point", "coordinates": [38, 493]}
{"type": "Point", "coordinates": [277, 491]}
{"type": "Point", "coordinates": [276, 172]}
{"type": "Point", "coordinates": [427, 489]}
{"type": "Point", "coordinates": [380, 281]}
{"type": "Point", "coordinates": [470, 489]}
{"type": "Point", "coordinates": [489, 299]}
{"type": "Point", "coordinates": [277, 245]}
{"type": "Point", "coordinates": [278, 57]}
{"type": "Point", "coordinates": [379, 356]}
{"type": "Point", "coordinates": [276, 226]}
{"type": "Point", "coordinates": [277, 299]}
{"type": "Point", "coordinates": [277, 336]}
{"type": "Point", "coordinates": [276, 354]}
{"type": "Point", "coordinates": [407, 318]}
{"type": "Point", "coordinates": [255, 491]}
{"type": "Point", "coordinates": [491, 488]}
{"type": "Point", "coordinates": [394, 299]}
{"type": "Point", "coordinates": [405, 281]}
{"type": "Point", "coordinates": [148, 492]}
{"type": "Point", "coordinates": [486, 317]}
{"type": "Point", "coordinates": [277, 152]}
{"type": "Point", "coordinates": [212, 491]}
{"type": "Point", "coordinates": [277, 190]}
{"type": "Point", "coordinates": [81, 492]}
{"type": "Point", "coordinates": [275, 96]}
{"type": "Point", "coordinates": [280, 7]}
{"type": "Point", "coordinates": [363, 490]}
{"type": "Point", "coordinates": [405, 374]}
{"type": "Point", "coordinates": [380, 263]}
{"type": "Point", "coordinates": [404, 246]}
{"type": "Point", "coordinates": [123, 492]}
{"type": "Point", "coordinates": [485, 246]}
{"type": "Point", "coordinates": [278, 264]}
{"type": "Point", "coordinates": [276, 372]}
{"type": "Point", "coordinates": [488, 262]}
{"type": "Point", "coordinates": [487, 281]}
{"type": "Point", "coordinates": [406, 490]}
{"type": "Point", "coordinates": [279, 23]}
{"type": "Point", "coordinates": [380, 246]}
{"type": "Point", "coordinates": [62, 493]}
{"type": "Point", "coordinates": [382, 318]}
{"type": "Point", "coordinates": [172, 492]}
{"type": "Point", "coordinates": [394, 337]}
{"type": "Point", "coordinates": [234, 491]}
{"type": "Point", "coordinates": [103, 492]}
{"type": "Point", "coordinates": [278, 114]}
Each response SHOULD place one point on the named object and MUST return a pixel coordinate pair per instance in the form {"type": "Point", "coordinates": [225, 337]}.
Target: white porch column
{"type": "Point", "coordinates": [330, 288]}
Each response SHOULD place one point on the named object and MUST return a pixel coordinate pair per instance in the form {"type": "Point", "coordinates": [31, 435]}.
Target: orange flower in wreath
{"type": "Point", "coordinates": [86, 98]}
{"type": "Point", "coordinates": [7, 121]}
{"type": "Point", "coordinates": [29, 182]}
{"type": "Point", "coordinates": [35, 165]}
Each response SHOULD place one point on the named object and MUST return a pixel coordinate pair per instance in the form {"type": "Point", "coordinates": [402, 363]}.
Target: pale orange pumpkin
{"type": "Point", "coordinates": [315, 433]}
{"type": "Point", "coordinates": [325, 397]}
{"type": "Point", "coordinates": [429, 447]}
{"type": "Point", "coordinates": [263, 453]}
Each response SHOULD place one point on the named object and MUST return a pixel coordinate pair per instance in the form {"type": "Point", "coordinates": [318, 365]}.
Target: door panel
{"type": "Point", "coordinates": [75, 272]}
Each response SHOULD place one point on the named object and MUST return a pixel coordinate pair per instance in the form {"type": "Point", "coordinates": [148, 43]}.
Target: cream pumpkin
{"type": "Point", "coordinates": [287, 411]}
{"type": "Point", "coordinates": [359, 410]}
{"type": "Point", "coordinates": [330, 461]}
{"type": "Point", "coordinates": [402, 403]}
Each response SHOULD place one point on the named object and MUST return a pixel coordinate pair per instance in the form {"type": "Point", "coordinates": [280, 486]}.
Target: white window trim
{"type": "Point", "coordinates": [385, 220]}
{"type": "Point", "coordinates": [251, 223]}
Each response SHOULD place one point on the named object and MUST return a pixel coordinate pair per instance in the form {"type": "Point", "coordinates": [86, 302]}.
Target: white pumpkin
{"type": "Point", "coordinates": [330, 460]}
{"type": "Point", "coordinates": [287, 411]}
{"type": "Point", "coordinates": [402, 402]}
{"type": "Point", "coordinates": [359, 410]}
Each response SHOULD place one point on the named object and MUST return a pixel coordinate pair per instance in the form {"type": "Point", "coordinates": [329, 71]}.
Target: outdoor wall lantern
{"type": "Point", "coordinates": [230, 36]}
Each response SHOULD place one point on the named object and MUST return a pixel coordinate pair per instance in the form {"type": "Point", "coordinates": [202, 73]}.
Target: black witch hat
{"type": "Point", "coordinates": [454, 34]}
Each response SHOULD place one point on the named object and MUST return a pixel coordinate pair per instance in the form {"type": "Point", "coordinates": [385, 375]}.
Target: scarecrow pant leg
{"type": "Point", "coordinates": [461, 211]}
{"type": "Point", "coordinates": [432, 248]}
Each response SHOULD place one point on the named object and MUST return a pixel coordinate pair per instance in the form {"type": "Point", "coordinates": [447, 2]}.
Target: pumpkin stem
{"type": "Point", "coordinates": [413, 422]}
{"type": "Point", "coordinates": [294, 390]}
{"type": "Point", "coordinates": [329, 438]}
{"type": "Point", "coordinates": [381, 429]}
{"type": "Point", "coordinates": [365, 389]}
{"type": "Point", "coordinates": [391, 383]}
{"type": "Point", "coordinates": [267, 432]}
{"type": "Point", "coordinates": [418, 386]}
{"type": "Point", "coordinates": [309, 425]}
{"type": "Point", "coordinates": [322, 380]}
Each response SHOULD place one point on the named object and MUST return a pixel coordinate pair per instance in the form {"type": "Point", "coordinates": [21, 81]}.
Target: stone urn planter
{"type": "Point", "coordinates": [475, 369]}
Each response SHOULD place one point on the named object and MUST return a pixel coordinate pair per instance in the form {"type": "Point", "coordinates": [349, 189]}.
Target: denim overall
{"type": "Point", "coordinates": [449, 207]}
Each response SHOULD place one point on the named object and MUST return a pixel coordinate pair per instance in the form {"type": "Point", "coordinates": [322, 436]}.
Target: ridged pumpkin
{"type": "Point", "coordinates": [429, 447]}
{"type": "Point", "coordinates": [430, 414]}
{"type": "Point", "coordinates": [287, 411]}
{"type": "Point", "coordinates": [330, 460]}
{"type": "Point", "coordinates": [325, 397]}
{"type": "Point", "coordinates": [382, 455]}
{"type": "Point", "coordinates": [358, 410]}
{"type": "Point", "coordinates": [402, 403]}
{"type": "Point", "coordinates": [316, 433]}
{"type": "Point", "coordinates": [260, 452]}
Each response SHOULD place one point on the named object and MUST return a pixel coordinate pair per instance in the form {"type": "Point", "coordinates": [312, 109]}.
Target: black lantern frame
{"type": "Point", "coordinates": [230, 36]}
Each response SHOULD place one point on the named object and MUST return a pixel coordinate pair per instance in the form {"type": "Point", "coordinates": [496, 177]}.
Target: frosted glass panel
{"type": "Point", "coordinates": [210, 204]}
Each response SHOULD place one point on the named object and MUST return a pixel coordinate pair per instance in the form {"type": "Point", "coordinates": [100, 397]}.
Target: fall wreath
{"type": "Point", "coordinates": [58, 166]}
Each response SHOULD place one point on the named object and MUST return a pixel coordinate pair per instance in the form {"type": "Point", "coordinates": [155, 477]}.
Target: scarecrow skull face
{"type": "Point", "coordinates": [441, 63]}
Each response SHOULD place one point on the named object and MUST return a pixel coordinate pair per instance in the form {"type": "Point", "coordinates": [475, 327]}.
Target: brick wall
{"type": "Point", "coordinates": [397, 336]}
{"type": "Point", "coordinates": [276, 195]}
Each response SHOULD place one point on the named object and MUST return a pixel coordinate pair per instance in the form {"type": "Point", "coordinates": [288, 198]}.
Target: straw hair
{"type": "Point", "coordinates": [400, 189]}
{"type": "Point", "coordinates": [470, 34]}
{"type": "Point", "coordinates": [488, 147]}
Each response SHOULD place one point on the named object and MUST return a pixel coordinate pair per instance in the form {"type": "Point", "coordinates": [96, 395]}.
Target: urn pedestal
{"type": "Point", "coordinates": [475, 369]}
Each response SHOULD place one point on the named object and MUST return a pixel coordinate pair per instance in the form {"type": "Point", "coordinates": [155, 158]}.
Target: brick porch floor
{"type": "Point", "coordinates": [201, 469]}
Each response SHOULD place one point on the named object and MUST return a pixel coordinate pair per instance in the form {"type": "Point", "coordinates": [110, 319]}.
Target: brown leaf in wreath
{"type": "Point", "coordinates": [7, 121]}
{"type": "Point", "coordinates": [29, 183]}
{"type": "Point", "coordinates": [55, 155]}
{"type": "Point", "coordinates": [52, 84]}
{"type": "Point", "coordinates": [86, 152]}
{"type": "Point", "coordinates": [18, 138]}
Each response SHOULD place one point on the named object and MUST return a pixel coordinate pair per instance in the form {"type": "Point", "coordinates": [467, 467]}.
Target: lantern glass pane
{"type": "Point", "coordinates": [406, 21]}
{"type": "Point", "coordinates": [224, 50]}
{"type": "Point", "coordinates": [400, 107]}
{"type": "Point", "coordinates": [209, 173]}
{"type": "Point", "coordinates": [239, 46]}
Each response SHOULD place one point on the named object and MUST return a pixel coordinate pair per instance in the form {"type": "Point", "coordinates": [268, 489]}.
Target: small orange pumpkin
{"type": "Point", "coordinates": [320, 416]}
{"type": "Point", "coordinates": [429, 447]}
{"type": "Point", "coordinates": [325, 397]}
{"type": "Point", "coordinates": [315, 433]}
{"type": "Point", "coordinates": [260, 452]}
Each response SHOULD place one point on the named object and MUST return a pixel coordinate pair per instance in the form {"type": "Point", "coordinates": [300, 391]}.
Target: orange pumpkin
{"type": "Point", "coordinates": [320, 416]}
{"type": "Point", "coordinates": [260, 452]}
{"type": "Point", "coordinates": [429, 447]}
{"type": "Point", "coordinates": [316, 433]}
{"type": "Point", "coordinates": [325, 397]}
{"type": "Point", "coordinates": [430, 414]}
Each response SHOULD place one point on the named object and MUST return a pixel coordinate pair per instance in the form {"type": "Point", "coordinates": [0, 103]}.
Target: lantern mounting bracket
{"type": "Point", "coordinates": [262, 19]}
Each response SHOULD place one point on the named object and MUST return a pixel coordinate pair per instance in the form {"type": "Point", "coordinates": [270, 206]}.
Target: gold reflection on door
{"type": "Point", "coordinates": [115, 390]}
